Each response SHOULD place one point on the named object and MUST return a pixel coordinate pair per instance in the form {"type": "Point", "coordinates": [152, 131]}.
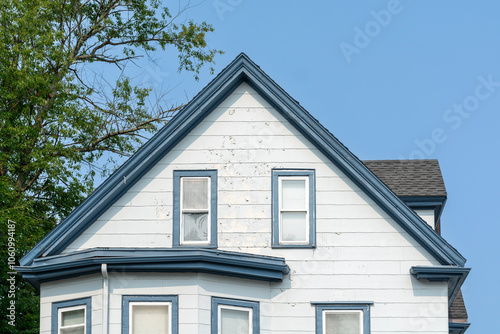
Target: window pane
{"type": "Point", "coordinates": [195, 193]}
{"type": "Point", "coordinates": [234, 321]}
{"type": "Point", "coordinates": [342, 323]}
{"type": "Point", "coordinates": [195, 226]}
{"type": "Point", "coordinates": [293, 226]}
{"type": "Point", "coordinates": [78, 330]}
{"type": "Point", "coordinates": [293, 194]}
{"type": "Point", "coordinates": [75, 317]}
{"type": "Point", "coordinates": [150, 319]}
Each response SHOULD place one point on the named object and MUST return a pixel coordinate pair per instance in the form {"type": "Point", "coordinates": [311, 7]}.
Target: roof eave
{"type": "Point", "coordinates": [217, 262]}
{"type": "Point", "coordinates": [455, 276]}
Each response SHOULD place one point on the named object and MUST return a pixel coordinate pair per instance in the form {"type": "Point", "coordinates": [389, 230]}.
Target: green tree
{"type": "Point", "coordinates": [56, 126]}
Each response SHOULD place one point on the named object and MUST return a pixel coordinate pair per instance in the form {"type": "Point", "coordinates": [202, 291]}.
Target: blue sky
{"type": "Point", "coordinates": [390, 79]}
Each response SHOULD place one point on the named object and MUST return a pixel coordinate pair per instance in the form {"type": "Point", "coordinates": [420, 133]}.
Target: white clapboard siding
{"type": "Point", "coordinates": [68, 289]}
{"type": "Point", "coordinates": [361, 254]}
{"type": "Point", "coordinates": [408, 305]}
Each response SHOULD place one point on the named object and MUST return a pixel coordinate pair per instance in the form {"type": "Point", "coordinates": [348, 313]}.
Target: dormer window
{"type": "Point", "coordinates": [195, 208]}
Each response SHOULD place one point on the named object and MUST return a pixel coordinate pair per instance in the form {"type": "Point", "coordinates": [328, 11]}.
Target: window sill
{"type": "Point", "coordinates": [293, 246]}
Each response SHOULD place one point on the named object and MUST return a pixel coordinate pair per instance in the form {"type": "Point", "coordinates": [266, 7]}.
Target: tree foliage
{"type": "Point", "coordinates": [56, 124]}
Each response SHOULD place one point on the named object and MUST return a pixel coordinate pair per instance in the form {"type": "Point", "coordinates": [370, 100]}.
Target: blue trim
{"type": "Point", "coordinates": [276, 174]}
{"type": "Point", "coordinates": [343, 303]}
{"type": "Point", "coordinates": [435, 203]}
{"type": "Point", "coordinates": [240, 70]}
{"type": "Point", "coordinates": [416, 202]}
{"type": "Point", "coordinates": [70, 303]}
{"type": "Point", "coordinates": [458, 327]}
{"type": "Point", "coordinates": [455, 276]}
{"type": "Point", "coordinates": [126, 299]}
{"type": "Point", "coordinates": [255, 306]}
{"type": "Point", "coordinates": [210, 261]}
{"type": "Point", "coordinates": [212, 174]}
{"type": "Point", "coordinates": [351, 306]}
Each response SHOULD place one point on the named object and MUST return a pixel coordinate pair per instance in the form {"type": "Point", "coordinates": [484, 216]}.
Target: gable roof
{"type": "Point", "coordinates": [409, 178]}
{"type": "Point", "coordinates": [241, 69]}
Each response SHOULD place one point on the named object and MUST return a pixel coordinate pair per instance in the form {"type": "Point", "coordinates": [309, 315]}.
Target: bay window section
{"type": "Point", "coordinates": [147, 314]}
{"type": "Point", "coordinates": [72, 316]}
{"type": "Point", "coordinates": [232, 316]}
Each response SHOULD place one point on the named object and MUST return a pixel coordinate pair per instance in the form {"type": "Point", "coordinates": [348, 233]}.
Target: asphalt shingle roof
{"type": "Point", "coordinates": [457, 309]}
{"type": "Point", "coordinates": [409, 177]}
{"type": "Point", "coordinates": [416, 178]}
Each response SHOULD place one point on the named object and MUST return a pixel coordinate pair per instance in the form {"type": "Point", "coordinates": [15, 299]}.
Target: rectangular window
{"type": "Point", "coordinates": [232, 316]}
{"type": "Point", "coordinates": [72, 320]}
{"type": "Point", "coordinates": [293, 208]}
{"type": "Point", "coordinates": [342, 321]}
{"type": "Point", "coordinates": [72, 316]}
{"type": "Point", "coordinates": [149, 314]}
{"type": "Point", "coordinates": [195, 208]}
{"type": "Point", "coordinates": [342, 317]}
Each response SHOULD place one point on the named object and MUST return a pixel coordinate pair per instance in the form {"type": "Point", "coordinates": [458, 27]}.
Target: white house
{"type": "Point", "coordinates": [245, 215]}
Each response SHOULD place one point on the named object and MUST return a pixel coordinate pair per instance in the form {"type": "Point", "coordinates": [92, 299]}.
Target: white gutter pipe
{"type": "Point", "coordinates": [105, 298]}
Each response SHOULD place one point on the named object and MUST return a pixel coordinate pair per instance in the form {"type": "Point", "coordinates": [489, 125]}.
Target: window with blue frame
{"type": "Point", "coordinates": [150, 314]}
{"type": "Point", "coordinates": [234, 316]}
{"type": "Point", "coordinates": [72, 316]}
{"type": "Point", "coordinates": [294, 208]}
{"type": "Point", "coordinates": [342, 317]}
{"type": "Point", "coordinates": [195, 208]}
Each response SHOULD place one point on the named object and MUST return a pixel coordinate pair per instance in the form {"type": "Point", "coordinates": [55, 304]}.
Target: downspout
{"type": "Point", "coordinates": [105, 298]}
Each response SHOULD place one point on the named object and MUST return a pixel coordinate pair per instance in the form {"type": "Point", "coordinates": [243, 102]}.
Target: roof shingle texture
{"type": "Point", "coordinates": [457, 309]}
{"type": "Point", "coordinates": [409, 177]}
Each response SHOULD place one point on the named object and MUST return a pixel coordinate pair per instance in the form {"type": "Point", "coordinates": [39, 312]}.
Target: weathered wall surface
{"type": "Point", "coordinates": [361, 254]}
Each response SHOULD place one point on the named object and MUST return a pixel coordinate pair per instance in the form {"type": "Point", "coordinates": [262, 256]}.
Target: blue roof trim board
{"type": "Point", "coordinates": [455, 276]}
{"type": "Point", "coordinates": [209, 261]}
{"type": "Point", "coordinates": [458, 327]}
{"type": "Point", "coordinates": [239, 70]}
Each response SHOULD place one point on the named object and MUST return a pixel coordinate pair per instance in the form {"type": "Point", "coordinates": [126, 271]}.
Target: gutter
{"type": "Point", "coordinates": [105, 298]}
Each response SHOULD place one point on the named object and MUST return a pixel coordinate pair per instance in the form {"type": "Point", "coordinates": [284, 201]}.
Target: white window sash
{"type": "Point", "coordinates": [131, 316]}
{"type": "Point", "coordinates": [207, 211]}
{"type": "Point", "coordinates": [69, 309]}
{"type": "Point", "coordinates": [305, 209]}
{"type": "Point", "coordinates": [238, 308]}
{"type": "Point", "coordinates": [358, 312]}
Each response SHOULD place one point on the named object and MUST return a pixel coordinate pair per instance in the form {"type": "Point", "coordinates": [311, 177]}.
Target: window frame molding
{"type": "Point", "coordinates": [176, 222]}
{"type": "Point", "coordinates": [254, 306]}
{"type": "Point", "coordinates": [276, 174]}
{"type": "Point", "coordinates": [57, 307]}
{"type": "Point", "coordinates": [322, 307]}
{"type": "Point", "coordinates": [174, 309]}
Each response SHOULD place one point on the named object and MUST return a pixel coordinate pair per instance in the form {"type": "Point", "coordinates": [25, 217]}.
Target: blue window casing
{"type": "Point", "coordinates": [87, 302]}
{"type": "Point", "coordinates": [127, 299]}
{"type": "Point", "coordinates": [255, 306]}
{"type": "Point", "coordinates": [342, 306]}
{"type": "Point", "coordinates": [178, 174]}
{"type": "Point", "coordinates": [276, 175]}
